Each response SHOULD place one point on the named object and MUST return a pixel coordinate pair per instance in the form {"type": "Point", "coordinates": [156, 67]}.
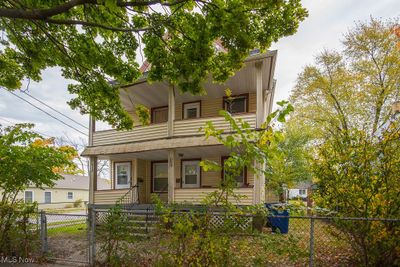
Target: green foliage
{"type": "Point", "coordinates": [247, 146]}
{"type": "Point", "coordinates": [19, 235]}
{"type": "Point", "coordinates": [114, 234]}
{"type": "Point", "coordinates": [95, 44]}
{"type": "Point", "coordinates": [346, 99]}
{"type": "Point", "coordinates": [26, 159]}
{"type": "Point", "coordinates": [78, 203]}
{"type": "Point", "coordinates": [143, 114]}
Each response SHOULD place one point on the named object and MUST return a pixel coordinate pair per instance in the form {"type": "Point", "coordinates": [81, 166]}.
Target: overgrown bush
{"type": "Point", "coordinates": [78, 203]}
{"type": "Point", "coordinates": [19, 232]}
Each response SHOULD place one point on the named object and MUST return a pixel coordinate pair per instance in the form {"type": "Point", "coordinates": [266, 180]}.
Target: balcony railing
{"type": "Point", "coordinates": [157, 131]}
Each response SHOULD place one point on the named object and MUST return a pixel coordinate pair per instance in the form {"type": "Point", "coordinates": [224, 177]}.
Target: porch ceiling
{"type": "Point", "coordinates": [181, 153]}
{"type": "Point", "coordinates": [156, 94]}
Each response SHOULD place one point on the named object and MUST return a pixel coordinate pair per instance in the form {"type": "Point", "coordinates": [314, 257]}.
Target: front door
{"type": "Point", "coordinates": [122, 175]}
{"type": "Point", "coordinates": [190, 174]}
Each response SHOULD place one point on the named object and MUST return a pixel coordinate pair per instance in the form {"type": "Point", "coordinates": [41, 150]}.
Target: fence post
{"type": "Point", "coordinates": [312, 221]}
{"type": "Point", "coordinates": [92, 235]}
{"type": "Point", "coordinates": [43, 231]}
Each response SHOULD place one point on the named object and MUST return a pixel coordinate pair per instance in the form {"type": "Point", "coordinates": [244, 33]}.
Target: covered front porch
{"type": "Point", "coordinates": [174, 175]}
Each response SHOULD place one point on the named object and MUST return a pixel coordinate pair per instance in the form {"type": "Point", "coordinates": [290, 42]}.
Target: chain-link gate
{"type": "Point", "coordinates": [65, 237]}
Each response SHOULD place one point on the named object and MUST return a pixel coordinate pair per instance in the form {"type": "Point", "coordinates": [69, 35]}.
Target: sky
{"type": "Point", "coordinates": [328, 21]}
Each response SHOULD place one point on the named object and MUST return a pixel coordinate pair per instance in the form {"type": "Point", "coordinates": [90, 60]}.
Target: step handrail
{"type": "Point", "coordinates": [130, 197]}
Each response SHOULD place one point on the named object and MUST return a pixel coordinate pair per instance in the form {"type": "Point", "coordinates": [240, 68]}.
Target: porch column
{"type": "Point", "coordinates": [135, 172]}
{"type": "Point", "coordinates": [260, 97]}
{"type": "Point", "coordinates": [171, 175]}
{"type": "Point", "coordinates": [92, 178]}
{"type": "Point", "coordinates": [259, 185]}
{"type": "Point", "coordinates": [171, 110]}
{"type": "Point", "coordinates": [92, 129]}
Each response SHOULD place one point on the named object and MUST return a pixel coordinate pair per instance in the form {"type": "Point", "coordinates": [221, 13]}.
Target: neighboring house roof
{"type": "Point", "coordinates": [80, 182]}
{"type": "Point", "coordinates": [302, 185]}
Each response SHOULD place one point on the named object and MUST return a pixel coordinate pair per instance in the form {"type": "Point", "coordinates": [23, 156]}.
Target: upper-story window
{"type": "Point", "coordinates": [159, 115]}
{"type": "Point", "coordinates": [191, 110]}
{"type": "Point", "coordinates": [236, 104]}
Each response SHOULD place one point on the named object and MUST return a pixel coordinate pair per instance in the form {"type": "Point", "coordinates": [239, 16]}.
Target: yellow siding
{"type": "Point", "coordinates": [252, 102]}
{"type": "Point", "coordinates": [108, 196]}
{"type": "Point", "coordinates": [195, 196]}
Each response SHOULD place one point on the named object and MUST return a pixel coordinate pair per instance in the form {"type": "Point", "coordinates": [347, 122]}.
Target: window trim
{"type": "Point", "coordinates": [33, 196]}
{"type": "Point", "coordinates": [200, 175]}
{"type": "Point", "coordinates": [72, 198]}
{"type": "Point", "coordinates": [191, 102]}
{"type": "Point", "coordinates": [245, 182]}
{"type": "Point", "coordinates": [115, 174]}
{"type": "Point", "coordinates": [151, 114]}
{"type": "Point", "coordinates": [246, 96]}
{"type": "Point", "coordinates": [44, 197]}
{"type": "Point", "coordinates": [152, 177]}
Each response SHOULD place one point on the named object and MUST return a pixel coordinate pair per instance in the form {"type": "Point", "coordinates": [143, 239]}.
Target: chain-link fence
{"type": "Point", "coordinates": [64, 237]}
{"type": "Point", "coordinates": [145, 238]}
{"type": "Point", "coordinates": [309, 240]}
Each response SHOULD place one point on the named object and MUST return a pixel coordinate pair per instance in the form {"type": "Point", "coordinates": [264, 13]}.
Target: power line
{"type": "Point", "coordinates": [40, 133]}
{"type": "Point", "coordinates": [47, 105]}
{"type": "Point", "coordinates": [33, 105]}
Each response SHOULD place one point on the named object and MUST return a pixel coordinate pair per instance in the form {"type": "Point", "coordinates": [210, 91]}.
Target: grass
{"type": "Point", "coordinates": [68, 230]}
{"type": "Point", "coordinates": [63, 210]}
{"type": "Point", "coordinates": [66, 222]}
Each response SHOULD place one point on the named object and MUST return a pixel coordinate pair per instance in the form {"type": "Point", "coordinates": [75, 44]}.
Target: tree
{"type": "Point", "coordinates": [28, 159]}
{"type": "Point", "coordinates": [95, 43]}
{"type": "Point", "coordinates": [289, 162]}
{"type": "Point", "coordinates": [346, 99]}
{"type": "Point", "coordinates": [354, 88]}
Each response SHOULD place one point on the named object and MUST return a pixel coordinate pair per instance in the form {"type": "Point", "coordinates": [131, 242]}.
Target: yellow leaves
{"type": "Point", "coordinates": [43, 142]}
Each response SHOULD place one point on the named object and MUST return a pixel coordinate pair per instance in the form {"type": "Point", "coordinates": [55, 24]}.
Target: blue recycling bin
{"type": "Point", "coordinates": [278, 224]}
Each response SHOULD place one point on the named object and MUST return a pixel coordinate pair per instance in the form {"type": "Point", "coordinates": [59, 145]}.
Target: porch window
{"type": "Point", "coordinates": [28, 196]}
{"type": "Point", "coordinates": [159, 115]}
{"type": "Point", "coordinates": [236, 104]}
{"type": "Point", "coordinates": [190, 173]}
{"type": "Point", "coordinates": [47, 197]}
{"type": "Point", "coordinates": [160, 176]}
{"type": "Point", "coordinates": [241, 179]}
{"type": "Point", "coordinates": [191, 110]}
{"type": "Point", "coordinates": [122, 175]}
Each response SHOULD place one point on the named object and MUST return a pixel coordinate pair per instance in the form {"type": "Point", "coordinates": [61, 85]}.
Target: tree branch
{"type": "Point", "coordinates": [93, 24]}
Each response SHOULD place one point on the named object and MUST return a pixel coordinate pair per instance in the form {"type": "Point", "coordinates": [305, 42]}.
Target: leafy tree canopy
{"type": "Point", "coordinates": [28, 159]}
{"type": "Point", "coordinates": [95, 43]}
{"type": "Point", "coordinates": [353, 88]}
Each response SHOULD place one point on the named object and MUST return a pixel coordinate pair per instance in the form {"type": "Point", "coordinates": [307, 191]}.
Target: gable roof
{"type": "Point", "coordinates": [80, 182]}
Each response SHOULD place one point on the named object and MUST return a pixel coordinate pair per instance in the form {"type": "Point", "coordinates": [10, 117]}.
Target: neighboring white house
{"type": "Point", "coordinates": [67, 191]}
{"type": "Point", "coordinates": [299, 191]}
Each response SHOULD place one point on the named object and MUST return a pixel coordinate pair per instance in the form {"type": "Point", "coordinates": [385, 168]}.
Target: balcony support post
{"type": "Point", "coordinates": [260, 95]}
{"type": "Point", "coordinates": [92, 129]}
{"type": "Point", "coordinates": [92, 178]}
{"type": "Point", "coordinates": [259, 184]}
{"type": "Point", "coordinates": [171, 110]}
{"type": "Point", "coordinates": [171, 175]}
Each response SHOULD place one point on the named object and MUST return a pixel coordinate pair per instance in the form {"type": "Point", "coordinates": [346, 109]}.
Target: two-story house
{"type": "Point", "coordinates": [163, 157]}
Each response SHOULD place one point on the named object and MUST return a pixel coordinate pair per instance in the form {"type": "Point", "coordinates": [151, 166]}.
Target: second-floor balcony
{"type": "Point", "coordinates": [175, 114]}
{"type": "Point", "coordinates": [190, 127]}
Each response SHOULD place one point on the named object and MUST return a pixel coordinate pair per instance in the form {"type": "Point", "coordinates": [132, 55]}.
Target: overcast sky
{"type": "Point", "coordinates": [324, 28]}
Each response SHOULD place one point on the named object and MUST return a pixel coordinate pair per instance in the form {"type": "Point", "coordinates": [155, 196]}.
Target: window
{"type": "Point", "coordinates": [191, 110]}
{"type": "Point", "coordinates": [160, 176]}
{"type": "Point", "coordinates": [237, 104]}
{"type": "Point", "coordinates": [47, 197]}
{"type": "Point", "coordinates": [122, 175]}
{"type": "Point", "coordinates": [159, 115]}
{"type": "Point", "coordinates": [302, 191]}
{"type": "Point", "coordinates": [70, 195]}
{"type": "Point", "coordinates": [241, 179]}
{"type": "Point", "coordinates": [28, 196]}
{"type": "Point", "coordinates": [190, 173]}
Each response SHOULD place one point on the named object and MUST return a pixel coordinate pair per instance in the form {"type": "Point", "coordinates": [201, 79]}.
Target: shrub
{"type": "Point", "coordinates": [78, 203]}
